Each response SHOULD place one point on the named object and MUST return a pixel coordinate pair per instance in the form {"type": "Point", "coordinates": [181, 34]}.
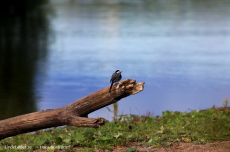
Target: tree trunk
{"type": "Point", "coordinates": [74, 114]}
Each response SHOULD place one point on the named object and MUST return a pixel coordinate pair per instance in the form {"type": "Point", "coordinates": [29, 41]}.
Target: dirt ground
{"type": "Point", "coordinates": [218, 146]}
{"type": "Point", "coordinates": [221, 146]}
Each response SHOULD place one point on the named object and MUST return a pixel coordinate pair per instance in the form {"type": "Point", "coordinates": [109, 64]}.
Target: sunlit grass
{"type": "Point", "coordinates": [195, 126]}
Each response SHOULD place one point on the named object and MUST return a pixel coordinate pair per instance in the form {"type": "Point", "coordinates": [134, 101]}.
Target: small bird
{"type": "Point", "coordinates": [115, 78]}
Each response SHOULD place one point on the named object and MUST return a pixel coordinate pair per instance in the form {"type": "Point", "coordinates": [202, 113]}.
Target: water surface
{"type": "Point", "coordinates": [180, 49]}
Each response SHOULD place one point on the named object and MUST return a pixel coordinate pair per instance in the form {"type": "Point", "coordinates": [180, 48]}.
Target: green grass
{"type": "Point", "coordinates": [195, 126]}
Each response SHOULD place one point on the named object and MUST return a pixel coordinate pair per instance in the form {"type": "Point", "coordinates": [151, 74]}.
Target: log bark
{"type": "Point", "coordinates": [74, 114]}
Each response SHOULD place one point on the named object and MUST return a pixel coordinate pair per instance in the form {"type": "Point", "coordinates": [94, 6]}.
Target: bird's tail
{"type": "Point", "coordinates": [110, 87]}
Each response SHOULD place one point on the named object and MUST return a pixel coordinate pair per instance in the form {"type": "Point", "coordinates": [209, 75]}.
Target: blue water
{"type": "Point", "coordinates": [181, 50]}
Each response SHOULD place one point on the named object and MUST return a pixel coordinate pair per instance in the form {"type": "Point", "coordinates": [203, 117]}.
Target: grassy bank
{"type": "Point", "coordinates": [172, 127]}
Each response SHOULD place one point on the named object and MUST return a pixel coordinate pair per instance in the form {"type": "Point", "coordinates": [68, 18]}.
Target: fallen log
{"type": "Point", "coordinates": [74, 114]}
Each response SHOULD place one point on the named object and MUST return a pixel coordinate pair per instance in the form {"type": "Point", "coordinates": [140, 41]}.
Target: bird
{"type": "Point", "coordinates": [116, 76]}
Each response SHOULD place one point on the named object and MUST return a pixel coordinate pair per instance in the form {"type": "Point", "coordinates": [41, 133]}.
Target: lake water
{"type": "Point", "coordinates": [180, 49]}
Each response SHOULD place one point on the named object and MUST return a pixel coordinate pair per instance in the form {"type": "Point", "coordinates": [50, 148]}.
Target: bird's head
{"type": "Point", "coordinates": [118, 71]}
